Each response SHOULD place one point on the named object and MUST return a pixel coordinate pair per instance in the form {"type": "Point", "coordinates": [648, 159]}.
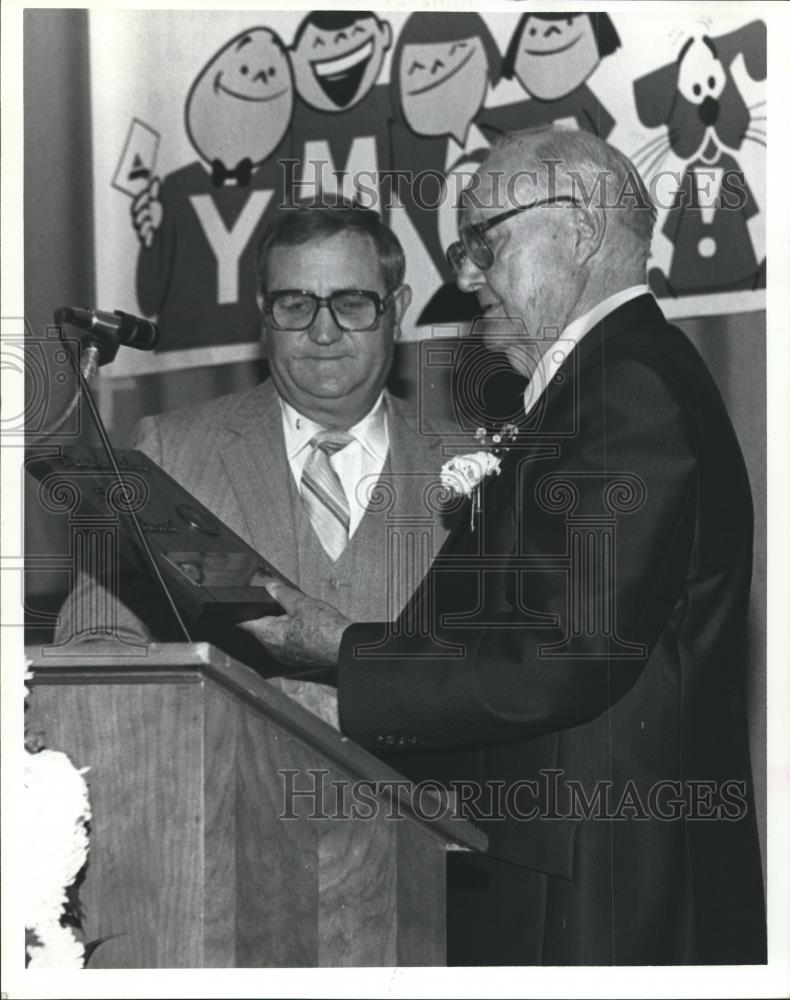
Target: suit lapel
{"type": "Point", "coordinates": [258, 472]}
{"type": "Point", "coordinates": [639, 312]}
{"type": "Point", "coordinates": [642, 311]}
{"type": "Point", "coordinates": [590, 352]}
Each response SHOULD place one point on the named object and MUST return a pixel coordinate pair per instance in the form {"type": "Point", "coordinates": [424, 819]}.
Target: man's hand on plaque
{"type": "Point", "coordinates": [308, 635]}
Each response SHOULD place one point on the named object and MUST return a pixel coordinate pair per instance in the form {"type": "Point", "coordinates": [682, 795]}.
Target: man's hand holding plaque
{"type": "Point", "coordinates": [307, 636]}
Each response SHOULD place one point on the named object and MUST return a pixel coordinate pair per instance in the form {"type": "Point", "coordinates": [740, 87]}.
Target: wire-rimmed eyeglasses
{"type": "Point", "coordinates": [473, 242]}
{"type": "Point", "coordinates": [352, 309]}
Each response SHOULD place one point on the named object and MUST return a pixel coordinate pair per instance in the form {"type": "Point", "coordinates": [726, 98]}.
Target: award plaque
{"type": "Point", "coordinates": [213, 575]}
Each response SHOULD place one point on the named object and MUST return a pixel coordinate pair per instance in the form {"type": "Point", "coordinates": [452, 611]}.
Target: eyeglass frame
{"type": "Point", "coordinates": [381, 305]}
{"type": "Point", "coordinates": [482, 227]}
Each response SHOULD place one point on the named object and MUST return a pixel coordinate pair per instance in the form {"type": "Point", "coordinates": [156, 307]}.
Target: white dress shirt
{"type": "Point", "coordinates": [358, 465]}
{"type": "Point", "coordinates": [560, 349]}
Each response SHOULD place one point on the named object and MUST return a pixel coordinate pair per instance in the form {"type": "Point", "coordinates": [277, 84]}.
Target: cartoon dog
{"type": "Point", "coordinates": [707, 122]}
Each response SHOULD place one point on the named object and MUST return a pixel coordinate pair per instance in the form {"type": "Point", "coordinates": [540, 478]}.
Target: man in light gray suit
{"type": "Point", "coordinates": [320, 468]}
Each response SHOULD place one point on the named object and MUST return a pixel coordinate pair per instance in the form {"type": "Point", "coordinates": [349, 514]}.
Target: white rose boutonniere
{"type": "Point", "coordinates": [464, 474]}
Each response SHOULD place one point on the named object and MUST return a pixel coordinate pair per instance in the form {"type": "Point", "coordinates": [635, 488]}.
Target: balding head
{"type": "Point", "coordinates": [550, 160]}
{"type": "Point", "coordinates": [555, 222]}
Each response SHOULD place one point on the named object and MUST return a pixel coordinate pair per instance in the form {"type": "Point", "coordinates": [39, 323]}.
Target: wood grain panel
{"type": "Point", "coordinates": [330, 748]}
{"type": "Point", "coordinates": [421, 897]}
{"type": "Point", "coordinates": [144, 877]}
{"type": "Point", "coordinates": [277, 887]}
{"type": "Point", "coordinates": [174, 661]}
{"type": "Point", "coordinates": [357, 903]}
{"type": "Point", "coordinates": [192, 863]}
{"type": "Point", "coordinates": [222, 722]}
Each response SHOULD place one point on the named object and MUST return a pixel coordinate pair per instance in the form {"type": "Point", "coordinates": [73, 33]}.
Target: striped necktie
{"type": "Point", "coordinates": [323, 495]}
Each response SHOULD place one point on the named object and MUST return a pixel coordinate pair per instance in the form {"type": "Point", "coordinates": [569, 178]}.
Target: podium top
{"type": "Point", "coordinates": [98, 662]}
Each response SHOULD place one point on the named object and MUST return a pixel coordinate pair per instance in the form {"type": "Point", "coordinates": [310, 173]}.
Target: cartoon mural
{"type": "Point", "coordinates": [707, 121]}
{"type": "Point", "coordinates": [552, 56]}
{"type": "Point", "coordinates": [442, 70]}
{"type": "Point", "coordinates": [320, 107]}
{"type": "Point", "coordinates": [340, 133]}
{"type": "Point", "coordinates": [200, 227]}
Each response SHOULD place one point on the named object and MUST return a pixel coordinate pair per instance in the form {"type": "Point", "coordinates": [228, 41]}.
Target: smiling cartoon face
{"type": "Point", "coordinates": [240, 105]}
{"type": "Point", "coordinates": [555, 56]}
{"type": "Point", "coordinates": [336, 66]}
{"type": "Point", "coordinates": [443, 86]}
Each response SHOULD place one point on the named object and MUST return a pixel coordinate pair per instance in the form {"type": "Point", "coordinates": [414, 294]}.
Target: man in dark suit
{"type": "Point", "coordinates": [582, 682]}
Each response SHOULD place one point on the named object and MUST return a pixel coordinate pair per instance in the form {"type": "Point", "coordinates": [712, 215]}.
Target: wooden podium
{"type": "Point", "coordinates": [204, 853]}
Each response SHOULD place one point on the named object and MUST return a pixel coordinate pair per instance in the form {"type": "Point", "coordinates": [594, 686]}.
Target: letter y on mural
{"type": "Point", "coordinates": [198, 228]}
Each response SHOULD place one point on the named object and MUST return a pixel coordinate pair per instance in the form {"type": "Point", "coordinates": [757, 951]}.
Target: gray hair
{"type": "Point", "coordinates": [599, 175]}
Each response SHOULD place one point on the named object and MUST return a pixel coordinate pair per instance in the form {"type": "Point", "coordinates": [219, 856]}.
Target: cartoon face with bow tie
{"type": "Point", "coordinates": [198, 227]}
{"type": "Point", "coordinates": [239, 107]}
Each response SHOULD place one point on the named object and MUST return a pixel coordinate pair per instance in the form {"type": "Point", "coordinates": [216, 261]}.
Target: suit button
{"type": "Point", "coordinates": [334, 583]}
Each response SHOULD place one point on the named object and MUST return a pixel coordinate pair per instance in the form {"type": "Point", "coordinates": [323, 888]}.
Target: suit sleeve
{"type": "Point", "coordinates": [507, 683]}
{"type": "Point", "coordinates": [147, 438]}
{"type": "Point", "coordinates": [93, 613]}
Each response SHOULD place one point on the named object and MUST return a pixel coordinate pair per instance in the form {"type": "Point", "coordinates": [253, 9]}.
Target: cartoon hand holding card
{"type": "Point", "coordinates": [147, 213]}
{"type": "Point", "coordinates": [136, 166]}
{"type": "Point", "coordinates": [135, 177]}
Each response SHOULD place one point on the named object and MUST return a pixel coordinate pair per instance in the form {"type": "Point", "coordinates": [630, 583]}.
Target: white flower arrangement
{"type": "Point", "coordinates": [56, 813]}
{"type": "Point", "coordinates": [464, 474]}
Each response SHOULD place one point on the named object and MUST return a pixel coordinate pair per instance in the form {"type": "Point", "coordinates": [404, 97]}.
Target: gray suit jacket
{"type": "Point", "coordinates": [230, 454]}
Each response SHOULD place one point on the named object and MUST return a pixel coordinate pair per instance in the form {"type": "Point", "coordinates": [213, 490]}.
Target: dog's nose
{"type": "Point", "coordinates": [709, 111]}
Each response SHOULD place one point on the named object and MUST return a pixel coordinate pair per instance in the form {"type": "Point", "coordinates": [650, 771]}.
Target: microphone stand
{"type": "Point", "coordinates": [97, 353]}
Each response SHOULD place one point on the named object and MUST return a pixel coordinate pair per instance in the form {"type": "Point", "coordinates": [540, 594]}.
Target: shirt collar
{"type": "Point", "coordinates": [370, 431]}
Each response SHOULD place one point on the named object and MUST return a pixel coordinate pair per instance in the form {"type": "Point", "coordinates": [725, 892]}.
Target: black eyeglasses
{"type": "Point", "coordinates": [351, 309]}
{"type": "Point", "coordinates": [473, 243]}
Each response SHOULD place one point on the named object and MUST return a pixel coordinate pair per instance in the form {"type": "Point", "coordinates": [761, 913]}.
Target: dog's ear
{"type": "Point", "coordinates": [751, 41]}
{"type": "Point", "coordinates": [655, 94]}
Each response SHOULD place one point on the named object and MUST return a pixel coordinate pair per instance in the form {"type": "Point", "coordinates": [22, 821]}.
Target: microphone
{"type": "Point", "coordinates": [121, 327]}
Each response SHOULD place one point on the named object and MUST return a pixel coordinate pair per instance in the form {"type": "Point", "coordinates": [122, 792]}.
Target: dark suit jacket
{"type": "Point", "coordinates": [590, 631]}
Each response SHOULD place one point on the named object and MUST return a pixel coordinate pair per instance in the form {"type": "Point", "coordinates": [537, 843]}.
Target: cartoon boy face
{"type": "Point", "coordinates": [241, 103]}
{"type": "Point", "coordinates": [337, 60]}
{"type": "Point", "coordinates": [443, 85]}
{"type": "Point", "coordinates": [555, 56]}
